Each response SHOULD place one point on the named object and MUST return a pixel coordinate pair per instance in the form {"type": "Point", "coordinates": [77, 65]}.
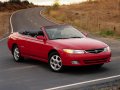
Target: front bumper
{"type": "Point", "coordinates": [85, 59]}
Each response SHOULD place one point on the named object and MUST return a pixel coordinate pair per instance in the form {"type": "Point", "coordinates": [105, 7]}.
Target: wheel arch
{"type": "Point", "coordinates": [51, 51]}
{"type": "Point", "coordinates": [13, 45]}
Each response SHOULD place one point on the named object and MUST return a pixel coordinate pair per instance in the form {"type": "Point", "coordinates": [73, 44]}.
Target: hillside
{"type": "Point", "coordinates": [15, 5]}
{"type": "Point", "coordinates": [101, 17]}
{"type": "Point", "coordinates": [6, 9]}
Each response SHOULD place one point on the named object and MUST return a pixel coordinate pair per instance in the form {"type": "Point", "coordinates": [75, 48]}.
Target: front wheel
{"type": "Point", "coordinates": [55, 62]}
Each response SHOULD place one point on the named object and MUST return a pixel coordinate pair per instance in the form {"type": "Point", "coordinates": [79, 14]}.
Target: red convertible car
{"type": "Point", "coordinates": [59, 46]}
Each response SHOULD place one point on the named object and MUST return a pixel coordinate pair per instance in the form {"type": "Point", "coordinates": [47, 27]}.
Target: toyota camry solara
{"type": "Point", "coordinates": [59, 46]}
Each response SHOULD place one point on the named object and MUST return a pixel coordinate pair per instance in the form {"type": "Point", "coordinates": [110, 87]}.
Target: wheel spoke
{"type": "Point", "coordinates": [59, 66]}
{"type": "Point", "coordinates": [55, 67]}
{"type": "Point", "coordinates": [53, 59]}
{"type": "Point", "coordinates": [52, 62]}
{"type": "Point", "coordinates": [16, 54]}
{"type": "Point", "coordinates": [58, 61]}
{"type": "Point", "coordinates": [58, 58]}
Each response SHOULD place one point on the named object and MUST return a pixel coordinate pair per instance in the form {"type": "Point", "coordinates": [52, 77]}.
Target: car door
{"type": "Point", "coordinates": [37, 48]}
{"type": "Point", "coordinates": [23, 44]}
{"type": "Point", "coordinates": [34, 46]}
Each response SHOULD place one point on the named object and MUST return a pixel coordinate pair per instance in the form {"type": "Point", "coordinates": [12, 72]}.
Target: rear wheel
{"type": "Point", "coordinates": [55, 62]}
{"type": "Point", "coordinates": [16, 54]}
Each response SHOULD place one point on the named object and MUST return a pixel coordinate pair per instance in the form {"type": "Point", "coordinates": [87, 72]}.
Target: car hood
{"type": "Point", "coordinates": [79, 44]}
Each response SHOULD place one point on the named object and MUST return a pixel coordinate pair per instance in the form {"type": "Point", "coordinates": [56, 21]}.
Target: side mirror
{"type": "Point", "coordinates": [40, 37]}
{"type": "Point", "coordinates": [86, 34]}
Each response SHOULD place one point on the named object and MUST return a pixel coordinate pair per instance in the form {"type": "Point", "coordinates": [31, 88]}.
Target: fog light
{"type": "Point", "coordinates": [75, 62]}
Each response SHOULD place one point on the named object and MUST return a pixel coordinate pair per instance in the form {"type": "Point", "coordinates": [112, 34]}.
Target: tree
{"type": "Point", "coordinates": [25, 2]}
{"type": "Point", "coordinates": [1, 4]}
{"type": "Point", "coordinates": [15, 1]}
{"type": "Point", "coordinates": [56, 4]}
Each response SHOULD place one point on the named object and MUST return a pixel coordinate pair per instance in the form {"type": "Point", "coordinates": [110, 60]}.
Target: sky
{"type": "Point", "coordinates": [50, 2]}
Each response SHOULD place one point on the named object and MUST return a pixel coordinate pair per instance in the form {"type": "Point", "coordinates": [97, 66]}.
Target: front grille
{"type": "Point", "coordinates": [95, 61]}
{"type": "Point", "coordinates": [95, 50]}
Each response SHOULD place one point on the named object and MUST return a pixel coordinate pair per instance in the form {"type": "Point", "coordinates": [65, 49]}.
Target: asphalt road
{"type": "Point", "coordinates": [35, 75]}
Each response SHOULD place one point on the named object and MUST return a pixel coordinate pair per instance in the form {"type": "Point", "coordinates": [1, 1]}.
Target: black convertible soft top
{"type": "Point", "coordinates": [32, 33]}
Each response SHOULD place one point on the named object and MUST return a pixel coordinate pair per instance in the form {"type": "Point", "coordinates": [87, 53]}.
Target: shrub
{"type": "Point", "coordinates": [15, 1]}
{"type": "Point", "coordinates": [48, 9]}
{"type": "Point", "coordinates": [56, 5]}
{"type": "Point", "coordinates": [25, 2]}
{"type": "Point", "coordinates": [107, 32]}
{"type": "Point", "coordinates": [1, 3]}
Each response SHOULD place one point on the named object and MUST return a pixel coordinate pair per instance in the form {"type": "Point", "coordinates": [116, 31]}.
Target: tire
{"type": "Point", "coordinates": [55, 62]}
{"type": "Point", "coordinates": [16, 54]}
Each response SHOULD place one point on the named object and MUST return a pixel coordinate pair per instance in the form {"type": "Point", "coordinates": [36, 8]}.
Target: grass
{"type": "Point", "coordinates": [107, 32]}
{"type": "Point", "coordinates": [100, 17]}
{"type": "Point", "coordinates": [4, 23]}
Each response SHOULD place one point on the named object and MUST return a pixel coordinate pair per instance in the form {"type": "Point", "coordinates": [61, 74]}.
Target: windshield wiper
{"type": "Point", "coordinates": [75, 37]}
{"type": "Point", "coordinates": [60, 38]}
{"type": "Point", "coordinates": [67, 38]}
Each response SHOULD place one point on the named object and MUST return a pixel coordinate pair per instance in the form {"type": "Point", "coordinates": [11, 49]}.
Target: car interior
{"type": "Point", "coordinates": [32, 33]}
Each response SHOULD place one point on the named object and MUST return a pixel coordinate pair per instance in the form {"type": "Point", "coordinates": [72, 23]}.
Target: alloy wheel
{"type": "Point", "coordinates": [56, 62]}
{"type": "Point", "coordinates": [16, 54]}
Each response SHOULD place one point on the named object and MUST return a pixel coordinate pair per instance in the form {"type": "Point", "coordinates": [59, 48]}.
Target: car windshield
{"type": "Point", "coordinates": [63, 32]}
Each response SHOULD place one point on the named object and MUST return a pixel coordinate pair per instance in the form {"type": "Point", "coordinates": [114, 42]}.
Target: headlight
{"type": "Point", "coordinates": [107, 49]}
{"type": "Point", "coordinates": [74, 51]}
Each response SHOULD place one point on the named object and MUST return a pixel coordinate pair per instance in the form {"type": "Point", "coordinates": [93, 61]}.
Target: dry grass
{"type": "Point", "coordinates": [4, 23]}
{"type": "Point", "coordinates": [100, 17]}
